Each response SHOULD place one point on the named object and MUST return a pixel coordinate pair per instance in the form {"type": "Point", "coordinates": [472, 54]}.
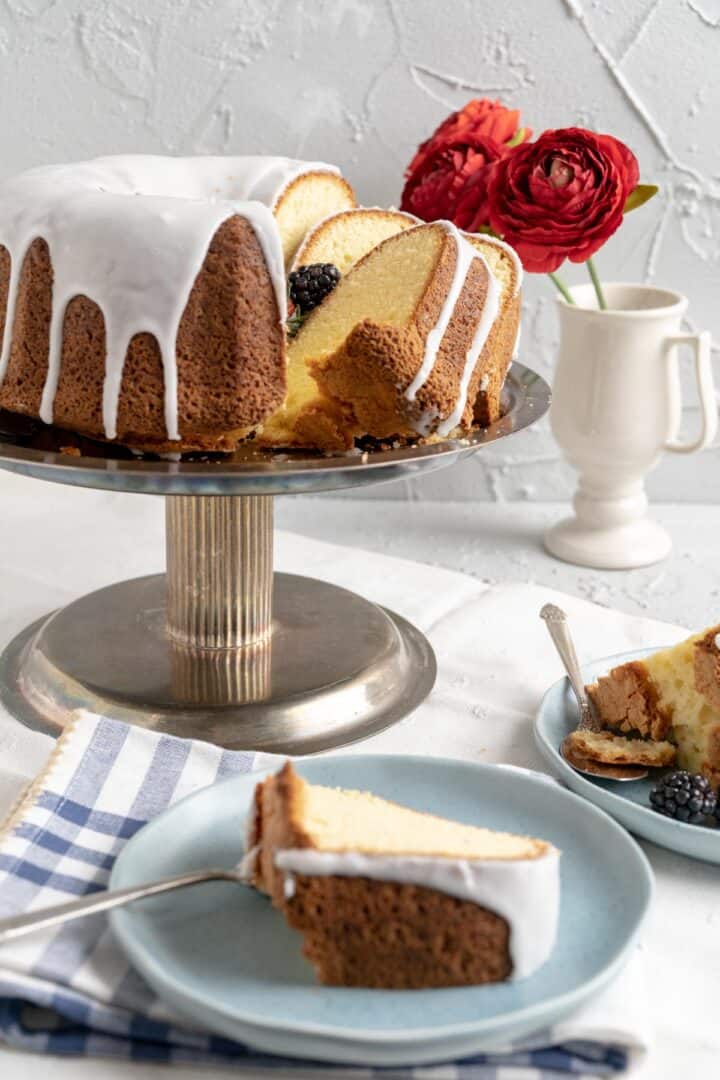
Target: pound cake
{"type": "Point", "coordinates": [389, 897]}
{"type": "Point", "coordinates": [143, 298]}
{"type": "Point", "coordinates": [415, 341]}
{"type": "Point", "coordinates": [671, 696]}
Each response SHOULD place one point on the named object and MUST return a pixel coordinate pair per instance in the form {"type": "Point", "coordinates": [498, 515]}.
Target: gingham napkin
{"type": "Point", "coordinates": [71, 991]}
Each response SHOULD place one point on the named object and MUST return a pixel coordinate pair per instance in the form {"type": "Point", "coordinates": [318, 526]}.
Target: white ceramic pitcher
{"type": "Point", "coordinates": [616, 405]}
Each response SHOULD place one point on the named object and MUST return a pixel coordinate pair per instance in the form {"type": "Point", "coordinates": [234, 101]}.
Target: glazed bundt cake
{"type": "Point", "coordinates": [344, 238]}
{"type": "Point", "coordinates": [389, 897]}
{"type": "Point", "coordinates": [142, 298]}
{"type": "Point", "coordinates": [415, 341]}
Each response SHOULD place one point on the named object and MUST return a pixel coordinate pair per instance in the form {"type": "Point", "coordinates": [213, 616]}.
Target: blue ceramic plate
{"type": "Point", "coordinates": [628, 802]}
{"type": "Point", "coordinates": [225, 959]}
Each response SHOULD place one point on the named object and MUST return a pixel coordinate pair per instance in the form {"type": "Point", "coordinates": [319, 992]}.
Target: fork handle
{"type": "Point", "coordinates": [19, 925]}
{"type": "Point", "coordinates": [557, 625]}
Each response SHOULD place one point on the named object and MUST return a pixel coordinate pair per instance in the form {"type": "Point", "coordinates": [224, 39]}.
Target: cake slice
{"type": "Point", "coordinates": [507, 270]}
{"type": "Point", "coordinates": [671, 695]}
{"type": "Point", "coordinates": [389, 897]}
{"type": "Point", "coordinates": [309, 198]}
{"type": "Point", "coordinates": [404, 345]}
{"type": "Point", "coordinates": [344, 238]}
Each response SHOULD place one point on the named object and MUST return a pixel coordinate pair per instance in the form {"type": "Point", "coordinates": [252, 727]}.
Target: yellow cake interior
{"type": "Point", "coordinates": [385, 287]}
{"type": "Point", "coordinates": [346, 237]}
{"type": "Point", "coordinates": [694, 723]}
{"type": "Point", "coordinates": [306, 201]}
{"type": "Point", "coordinates": [339, 820]}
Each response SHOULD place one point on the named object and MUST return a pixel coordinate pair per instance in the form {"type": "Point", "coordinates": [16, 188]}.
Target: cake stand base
{"type": "Point", "coordinates": [340, 669]}
{"type": "Point", "coordinates": [220, 648]}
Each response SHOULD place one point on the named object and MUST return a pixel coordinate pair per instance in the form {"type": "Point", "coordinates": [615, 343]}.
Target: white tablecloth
{"type": "Point", "coordinates": [57, 543]}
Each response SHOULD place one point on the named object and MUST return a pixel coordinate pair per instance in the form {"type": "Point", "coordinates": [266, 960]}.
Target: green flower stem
{"type": "Point", "coordinates": [596, 284]}
{"type": "Point", "coordinates": [561, 288]}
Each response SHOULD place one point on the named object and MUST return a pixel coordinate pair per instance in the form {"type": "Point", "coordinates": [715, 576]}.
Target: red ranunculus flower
{"type": "Point", "coordinates": [479, 117]}
{"type": "Point", "coordinates": [469, 139]}
{"type": "Point", "coordinates": [472, 210]}
{"type": "Point", "coordinates": [561, 196]}
{"type": "Point", "coordinates": [433, 188]}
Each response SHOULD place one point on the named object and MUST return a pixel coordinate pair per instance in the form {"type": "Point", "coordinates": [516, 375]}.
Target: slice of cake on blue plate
{"type": "Point", "coordinates": [390, 897]}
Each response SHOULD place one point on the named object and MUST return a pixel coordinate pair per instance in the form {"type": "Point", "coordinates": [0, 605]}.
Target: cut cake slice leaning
{"type": "Point", "coordinates": [390, 897]}
{"type": "Point", "coordinates": [404, 345]}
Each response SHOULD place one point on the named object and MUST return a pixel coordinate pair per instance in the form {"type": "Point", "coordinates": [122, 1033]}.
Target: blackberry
{"type": "Point", "coordinates": [685, 797]}
{"type": "Point", "coordinates": [309, 285]}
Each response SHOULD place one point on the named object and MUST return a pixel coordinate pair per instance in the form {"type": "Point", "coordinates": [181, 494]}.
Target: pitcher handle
{"type": "Point", "coordinates": [706, 390]}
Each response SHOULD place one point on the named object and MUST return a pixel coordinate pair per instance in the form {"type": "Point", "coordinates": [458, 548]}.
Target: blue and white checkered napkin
{"type": "Point", "coordinates": [71, 991]}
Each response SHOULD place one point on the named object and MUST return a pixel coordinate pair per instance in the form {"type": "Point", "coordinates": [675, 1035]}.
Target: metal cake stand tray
{"type": "Point", "coordinates": [220, 648]}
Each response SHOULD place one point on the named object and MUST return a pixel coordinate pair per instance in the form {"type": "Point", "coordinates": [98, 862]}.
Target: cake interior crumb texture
{"type": "Point", "coordinates": [340, 820]}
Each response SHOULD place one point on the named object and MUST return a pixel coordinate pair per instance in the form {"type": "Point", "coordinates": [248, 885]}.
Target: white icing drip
{"type": "Point", "coordinates": [506, 248]}
{"type": "Point", "coordinates": [717, 641]}
{"type": "Point", "coordinates": [246, 866]}
{"type": "Point", "coordinates": [525, 892]}
{"type": "Point", "coordinates": [465, 255]}
{"type": "Point", "coordinates": [516, 346]}
{"type": "Point", "coordinates": [289, 886]}
{"type": "Point", "coordinates": [490, 310]}
{"type": "Point", "coordinates": [425, 423]}
{"type": "Point", "coordinates": [484, 382]}
{"type": "Point", "coordinates": [131, 233]}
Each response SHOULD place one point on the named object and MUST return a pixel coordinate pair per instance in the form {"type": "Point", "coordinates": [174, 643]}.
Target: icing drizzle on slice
{"type": "Point", "coordinates": [482, 332]}
{"type": "Point", "coordinates": [526, 892]}
{"type": "Point", "coordinates": [466, 253]}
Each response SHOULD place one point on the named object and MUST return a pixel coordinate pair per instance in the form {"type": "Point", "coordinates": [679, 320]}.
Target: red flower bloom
{"type": "Point", "coordinates": [479, 117]}
{"type": "Point", "coordinates": [472, 209]}
{"type": "Point", "coordinates": [433, 189]}
{"type": "Point", "coordinates": [466, 142]}
{"type": "Point", "coordinates": [562, 196]}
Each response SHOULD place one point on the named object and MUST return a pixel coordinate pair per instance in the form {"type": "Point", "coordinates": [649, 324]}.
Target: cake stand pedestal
{"type": "Point", "coordinates": [220, 648]}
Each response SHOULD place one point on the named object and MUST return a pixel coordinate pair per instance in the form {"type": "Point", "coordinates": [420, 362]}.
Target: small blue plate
{"type": "Point", "coordinates": [225, 959]}
{"type": "Point", "coordinates": [628, 802]}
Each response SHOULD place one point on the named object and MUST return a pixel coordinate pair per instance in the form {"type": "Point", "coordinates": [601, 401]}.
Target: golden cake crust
{"type": "Point", "coordinates": [358, 932]}
{"type": "Point", "coordinates": [230, 352]}
{"type": "Point", "coordinates": [707, 667]}
{"type": "Point", "coordinates": [627, 701]}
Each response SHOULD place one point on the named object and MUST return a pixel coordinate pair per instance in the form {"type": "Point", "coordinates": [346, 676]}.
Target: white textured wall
{"type": "Point", "coordinates": [359, 82]}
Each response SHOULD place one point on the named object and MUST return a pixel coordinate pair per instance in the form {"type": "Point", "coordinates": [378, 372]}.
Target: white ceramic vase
{"type": "Point", "coordinates": [616, 406]}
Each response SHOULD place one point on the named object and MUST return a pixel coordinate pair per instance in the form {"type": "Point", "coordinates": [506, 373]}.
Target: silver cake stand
{"type": "Point", "coordinates": [220, 647]}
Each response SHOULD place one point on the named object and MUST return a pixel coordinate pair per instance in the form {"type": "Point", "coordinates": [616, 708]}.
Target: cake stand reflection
{"type": "Point", "coordinates": [221, 648]}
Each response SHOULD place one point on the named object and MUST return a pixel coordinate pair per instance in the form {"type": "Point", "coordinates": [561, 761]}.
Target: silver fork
{"type": "Point", "coordinates": [19, 925]}
{"type": "Point", "coordinates": [557, 624]}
